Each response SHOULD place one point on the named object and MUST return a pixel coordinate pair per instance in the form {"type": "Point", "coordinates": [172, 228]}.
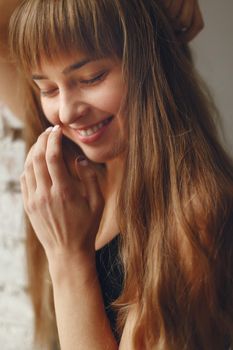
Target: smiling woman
{"type": "Point", "coordinates": [152, 189]}
{"type": "Point", "coordinates": [85, 95]}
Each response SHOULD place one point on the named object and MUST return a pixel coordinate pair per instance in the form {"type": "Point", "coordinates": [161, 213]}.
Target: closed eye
{"type": "Point", "coordinates": [49, 93]}
{"type": "Point", "coordinates": [53, 91]}
{"type": "Point", "coordinates": [94, 80]}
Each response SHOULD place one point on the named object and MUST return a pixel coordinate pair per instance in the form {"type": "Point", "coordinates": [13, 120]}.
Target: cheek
{"type": "Point", "coordinates": [108, 98]}
{"type": "Point", "coordinates": [50, 111]}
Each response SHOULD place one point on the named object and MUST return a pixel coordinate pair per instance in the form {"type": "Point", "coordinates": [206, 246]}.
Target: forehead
{"type": "Point", "coordinates": [67, 63]}
{"type": "Point", "coordinates": [46, 28]}
{"type": "Point", "coordinates": [61, 60]}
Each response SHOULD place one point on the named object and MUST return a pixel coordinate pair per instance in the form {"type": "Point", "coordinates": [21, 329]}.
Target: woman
{"type": "Point", "coordinates": [133, 159]}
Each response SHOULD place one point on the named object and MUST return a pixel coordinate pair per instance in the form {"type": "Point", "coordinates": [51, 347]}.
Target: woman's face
{"type": "Point", "coordinates": [84, 97]}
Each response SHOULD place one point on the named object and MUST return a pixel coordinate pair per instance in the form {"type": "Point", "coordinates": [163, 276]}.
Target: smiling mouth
{"type": "Point", "coordinates": [94, 129]}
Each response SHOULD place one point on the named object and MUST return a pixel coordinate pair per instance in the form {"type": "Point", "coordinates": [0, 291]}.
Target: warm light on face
{"type": "Point", "coordinates": [84, 96]}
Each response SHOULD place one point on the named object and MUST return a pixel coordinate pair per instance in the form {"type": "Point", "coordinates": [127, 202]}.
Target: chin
{"type": "Point", "coordinates": [97, 158]}
{"type": "Point", "coordinates": [105, 157]}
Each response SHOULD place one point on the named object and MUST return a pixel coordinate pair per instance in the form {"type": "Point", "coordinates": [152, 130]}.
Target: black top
{"type": "Point", "coordinates": [110, 274]}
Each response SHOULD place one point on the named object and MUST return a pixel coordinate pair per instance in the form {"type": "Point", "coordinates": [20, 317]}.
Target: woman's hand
{"type": "Point", "coordinates": [186, 17]}
{"type": "Point", "coordinates": [64, 218]}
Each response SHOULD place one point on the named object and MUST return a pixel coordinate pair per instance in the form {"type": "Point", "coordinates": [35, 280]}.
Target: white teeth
{"type": "Point", "coordinates": [83, 133]}
{"type": "Point", "coordinates": [91, 131]}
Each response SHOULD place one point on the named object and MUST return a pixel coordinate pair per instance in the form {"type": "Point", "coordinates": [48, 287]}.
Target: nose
{"type": "Point", "coordinates": [71, 109]}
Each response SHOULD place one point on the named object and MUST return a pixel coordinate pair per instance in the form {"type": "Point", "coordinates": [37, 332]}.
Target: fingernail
{"type": "Point", "coordinates": [56, 127]}
{"type": "Point", "coordinates": [82, 160]}
{"type": "Point", "coordinates": [50, 128]}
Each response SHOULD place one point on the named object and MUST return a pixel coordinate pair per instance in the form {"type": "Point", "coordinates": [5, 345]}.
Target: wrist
{"type": "Point", "coordinates": [64, 267]}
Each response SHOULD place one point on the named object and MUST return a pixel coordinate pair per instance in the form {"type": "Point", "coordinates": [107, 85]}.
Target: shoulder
{"type": "Point", "coordinates": [126, 342]}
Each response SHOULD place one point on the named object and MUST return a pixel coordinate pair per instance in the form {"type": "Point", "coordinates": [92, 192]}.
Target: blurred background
{"type": "Point", "coordinates": [213, 54]}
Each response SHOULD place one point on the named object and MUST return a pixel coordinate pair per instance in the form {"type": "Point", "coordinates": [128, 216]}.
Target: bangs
{"type": "Point", "coordinates": [47, 29]}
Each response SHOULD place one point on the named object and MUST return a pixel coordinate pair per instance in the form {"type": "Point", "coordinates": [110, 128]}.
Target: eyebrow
{"type": "Point", "coordinates": [67, 70]}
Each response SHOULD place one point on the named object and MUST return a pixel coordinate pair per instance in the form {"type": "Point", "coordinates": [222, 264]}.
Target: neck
{"type": "Point", "coordinates": [110, 182]}
{"type": "Point", "coordinates": [113, 174]}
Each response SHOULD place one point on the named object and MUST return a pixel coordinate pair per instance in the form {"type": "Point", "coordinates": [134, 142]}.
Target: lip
{"type": "Point", "coordinates": [96, 136]}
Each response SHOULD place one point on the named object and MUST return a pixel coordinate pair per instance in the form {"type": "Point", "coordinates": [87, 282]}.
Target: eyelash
{"type": "Point", "coordinates": [91, 81]}
{"type": "Point", "coordinates": [47, 93]}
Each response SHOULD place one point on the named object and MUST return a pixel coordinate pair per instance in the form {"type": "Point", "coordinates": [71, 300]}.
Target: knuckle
{"type": "Point", "coordinates": [38, 157]}
{"type": "Point", "coordinates": [38, 202]}
{"type": "Point", "coordinates": [52, 158]}
{"type": "Point", "coordinates": [43, 199]}
{"type": "Point", "coordinates": [65, 193]}
{"type": "Point", "coordinates": [30, 206]}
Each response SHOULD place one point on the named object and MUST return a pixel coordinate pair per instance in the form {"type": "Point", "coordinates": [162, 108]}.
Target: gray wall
{"type": "Point", "coordinates": [213, 53]}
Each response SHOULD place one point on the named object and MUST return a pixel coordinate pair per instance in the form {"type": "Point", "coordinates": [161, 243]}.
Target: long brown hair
{"type": "Point", "coordinates": [176, 198]}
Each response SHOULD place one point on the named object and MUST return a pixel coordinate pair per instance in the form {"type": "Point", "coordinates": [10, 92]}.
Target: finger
{"type": "Point", "coordinates": [175, 8]}
{"type": "Point", "coordinates": [29, 172]}
{"type": "Point", "coordinates": [54, 158]}
{"type": "Point", "coordinates": [43, 179]}
{"type": "Point", "coordinates": [92, 187]}
{"type": "Point", "coordinates": [24, 190]}
{"type": "Point", "coordinates": [196, 26]}
{"type": "Point", "coordinates": [185, 17]}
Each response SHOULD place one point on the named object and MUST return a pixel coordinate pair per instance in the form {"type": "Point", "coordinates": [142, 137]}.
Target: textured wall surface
{"type": "Point", "coordinates": [16, 316]}
{"type": "Point", "coordinates": [213, 51]}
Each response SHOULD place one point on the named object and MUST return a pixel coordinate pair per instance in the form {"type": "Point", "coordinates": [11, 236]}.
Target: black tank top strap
{"type": "Point", "coordinates": [110, 273]}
